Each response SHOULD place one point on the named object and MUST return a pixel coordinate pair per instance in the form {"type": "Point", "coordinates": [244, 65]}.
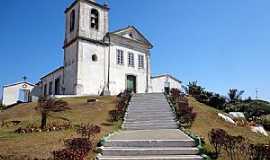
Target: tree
{"type": "Point", "coordinates": [234, 95]}
{"type": "Point", "coordinates": [194, 89]}
{"type": "Point", "coordinates": [47, 105]}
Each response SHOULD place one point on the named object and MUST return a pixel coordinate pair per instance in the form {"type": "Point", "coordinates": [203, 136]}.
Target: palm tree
{"type": "Point", "coordinates": [47, 105]}
{"type": "Point", "coordinates": [234, 95]}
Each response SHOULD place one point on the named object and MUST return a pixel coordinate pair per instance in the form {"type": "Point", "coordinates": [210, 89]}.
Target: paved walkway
{"type": "Point", "coordinates": [149, 133]}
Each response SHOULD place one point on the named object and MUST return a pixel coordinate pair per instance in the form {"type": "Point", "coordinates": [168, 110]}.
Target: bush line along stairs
{"type": "Point", "coordinates": [150, 132]}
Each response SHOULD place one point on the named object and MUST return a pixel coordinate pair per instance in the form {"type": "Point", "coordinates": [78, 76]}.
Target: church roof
{"type": "Point", "coordinates": [166, 75]}
{"type": "Point", "coordinates": [56, 70]}
{"type": "Point", "coordinates": [14, 84]}
{"type": "Point", "coordinates": [105, 6]}
{"type": "Point", "coordinates": [132, 33]}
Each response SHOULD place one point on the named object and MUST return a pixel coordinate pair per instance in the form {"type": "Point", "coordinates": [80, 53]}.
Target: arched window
{"type": "Point", "coordinates": [72, 21]}
{"type": "Point", "coordinates": [94, 19]}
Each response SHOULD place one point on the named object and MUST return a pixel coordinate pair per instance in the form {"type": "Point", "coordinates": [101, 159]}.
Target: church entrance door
{"type": "Point", "coordinates": [131, 83]}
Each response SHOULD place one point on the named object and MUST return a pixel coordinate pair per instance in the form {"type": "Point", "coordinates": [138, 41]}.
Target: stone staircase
{"type": "Point", "coordinates": [149, 133]}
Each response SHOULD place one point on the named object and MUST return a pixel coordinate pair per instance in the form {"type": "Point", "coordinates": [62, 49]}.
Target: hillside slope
{"type": "Point", "coordinates": [40, 145]}
{"type": "Point", "coordinates": [207, 119]}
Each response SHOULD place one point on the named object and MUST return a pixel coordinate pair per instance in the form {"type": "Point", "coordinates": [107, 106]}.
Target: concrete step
{"type": "Point", "coordinates": [155, 124]}
{"type": "Point", "coordinates": [133, 151]}
{"type": "Point", "coordinates": [151, 143]}
{"type": "Point", "coordinates": [147, 101]}
{"type": "Point", "coordinates": [132, 119]}
{"type": "Point", "coordinates": [152, 157]}
{"type": "Point", "coordinates": [149, 104]}
{"type": "Point", "coordinates": [147, 127]}
{"type": "Point", "coordinates": [149, 110]}
{"type": "Point", "coordinates": [143, 105]}
{"type": "Point", "coordinates": [147, 121]}
{"type": "Point", "coordinates": [148, 116]}
{"type": "Point", "coordinates": [150, 113]}
{"type": "Point", "coordinates": [150, 98]}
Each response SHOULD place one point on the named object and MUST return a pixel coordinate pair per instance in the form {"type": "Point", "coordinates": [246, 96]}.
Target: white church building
{"type": "Point", "coordinates": [99, 62]}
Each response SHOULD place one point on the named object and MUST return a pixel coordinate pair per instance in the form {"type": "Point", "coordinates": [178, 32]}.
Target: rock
{"type": "Point", "coordinates": [226, 118]}
{"type": "Point", "coordinates": [91, 100]}
{"type": "Point", "coordinates": [259, 129]}
{"type": "Point", "coordinates": [237, 115]}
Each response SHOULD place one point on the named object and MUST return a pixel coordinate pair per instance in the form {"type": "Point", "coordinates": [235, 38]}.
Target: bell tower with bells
{"type": "Point", "coordinates": [87, 23]}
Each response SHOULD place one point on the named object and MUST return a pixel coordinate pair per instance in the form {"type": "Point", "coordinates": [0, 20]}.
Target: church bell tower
{"type": "Point", "coordinates": [87, 23]}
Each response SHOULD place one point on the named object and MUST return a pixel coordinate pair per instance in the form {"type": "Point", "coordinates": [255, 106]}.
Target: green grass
{"type": "Point", "coordinates": [207, 119]}
{"type": "Point", "coordinates": [41, 145]}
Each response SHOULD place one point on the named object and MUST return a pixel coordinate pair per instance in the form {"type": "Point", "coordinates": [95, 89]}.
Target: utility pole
{"type": "Point", "coordinates": [257, 92]}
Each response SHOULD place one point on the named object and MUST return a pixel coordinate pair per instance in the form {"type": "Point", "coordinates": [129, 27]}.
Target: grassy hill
{"type": "Point", "coordinates": [40, 145]}
{"type": "Point", "coordinates": [207, 119]}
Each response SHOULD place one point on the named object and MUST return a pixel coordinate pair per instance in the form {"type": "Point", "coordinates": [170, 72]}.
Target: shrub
{"type": "Point", "coordinates": [50, 128]}
{"type": "Point", "coordinates": [237, 147]}
{"type": "Point", "coordinates": [175, 94]}
{"type": "Point", "coordinates": [88, 131]}
{"type": "Point", "coordinates": [2, 107]}
{"type": "Point", "coordinates": [194, 89]}
{"type": "Point", "coordinates": [259, 152]}
{"type": "Point", "coordinates": [230, 145]}
{"type": "Point", "coordinates": [121, 106]}
{"type": "Point", "coordinates": [185, 113]}
{"type": "Point", "coordinates": [266, 122]}
{"type": "Point", "coordinates": [115, 115]}
{"type": "Point", "coordinates": [77, 149]}
{"type": "Point", "coordinates": [217, 101]}
{"type": "Point", "coordinates": [20, 157]}
{"type": "Point", "coordinates": [217, 140]}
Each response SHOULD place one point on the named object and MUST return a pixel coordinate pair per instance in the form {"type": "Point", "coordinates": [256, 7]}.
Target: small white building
{"type": "Point", "coordinates": [17, 92]}
{"type": "Point", "coordinates": [161, 82]}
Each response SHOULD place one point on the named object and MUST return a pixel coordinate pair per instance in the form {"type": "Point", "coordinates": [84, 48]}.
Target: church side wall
{"type": "Point", "coordinates": [70, 69]}
{"type": "Point", "coordinates": [91, 76]}
{"type": "Point", "coordinates": [51, 78]}
{"type": "Point", "coordinates": [118, 73]}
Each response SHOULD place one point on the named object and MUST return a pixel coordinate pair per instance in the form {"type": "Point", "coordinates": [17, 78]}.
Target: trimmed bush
{"type": "Point", "coordinates": [237, 147]}
{"type": "Point", "coordinates": [121, 106]}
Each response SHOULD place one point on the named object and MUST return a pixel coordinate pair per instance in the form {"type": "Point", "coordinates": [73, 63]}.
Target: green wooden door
{"type": "Point", "coordinates": [131, 83]}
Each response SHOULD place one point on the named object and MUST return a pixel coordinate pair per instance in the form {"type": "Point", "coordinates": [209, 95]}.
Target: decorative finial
{"type": "Point", "coordinates": [24, 78]}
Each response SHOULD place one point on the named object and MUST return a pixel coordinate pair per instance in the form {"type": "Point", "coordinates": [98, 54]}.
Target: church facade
{"type": "Point", "coordinates": [96, 61]}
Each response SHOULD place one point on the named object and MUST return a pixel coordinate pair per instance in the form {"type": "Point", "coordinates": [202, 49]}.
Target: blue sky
{"type": "Point", "coordinates": [221, 44]}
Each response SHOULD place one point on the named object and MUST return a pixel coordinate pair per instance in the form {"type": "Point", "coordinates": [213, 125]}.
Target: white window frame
{"type": "Point", "coordinates": [119, 57]}
{"type": "Point", "coordinates": [131, 59]}
{"type": "Point", "coordinates": [140, 61]}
